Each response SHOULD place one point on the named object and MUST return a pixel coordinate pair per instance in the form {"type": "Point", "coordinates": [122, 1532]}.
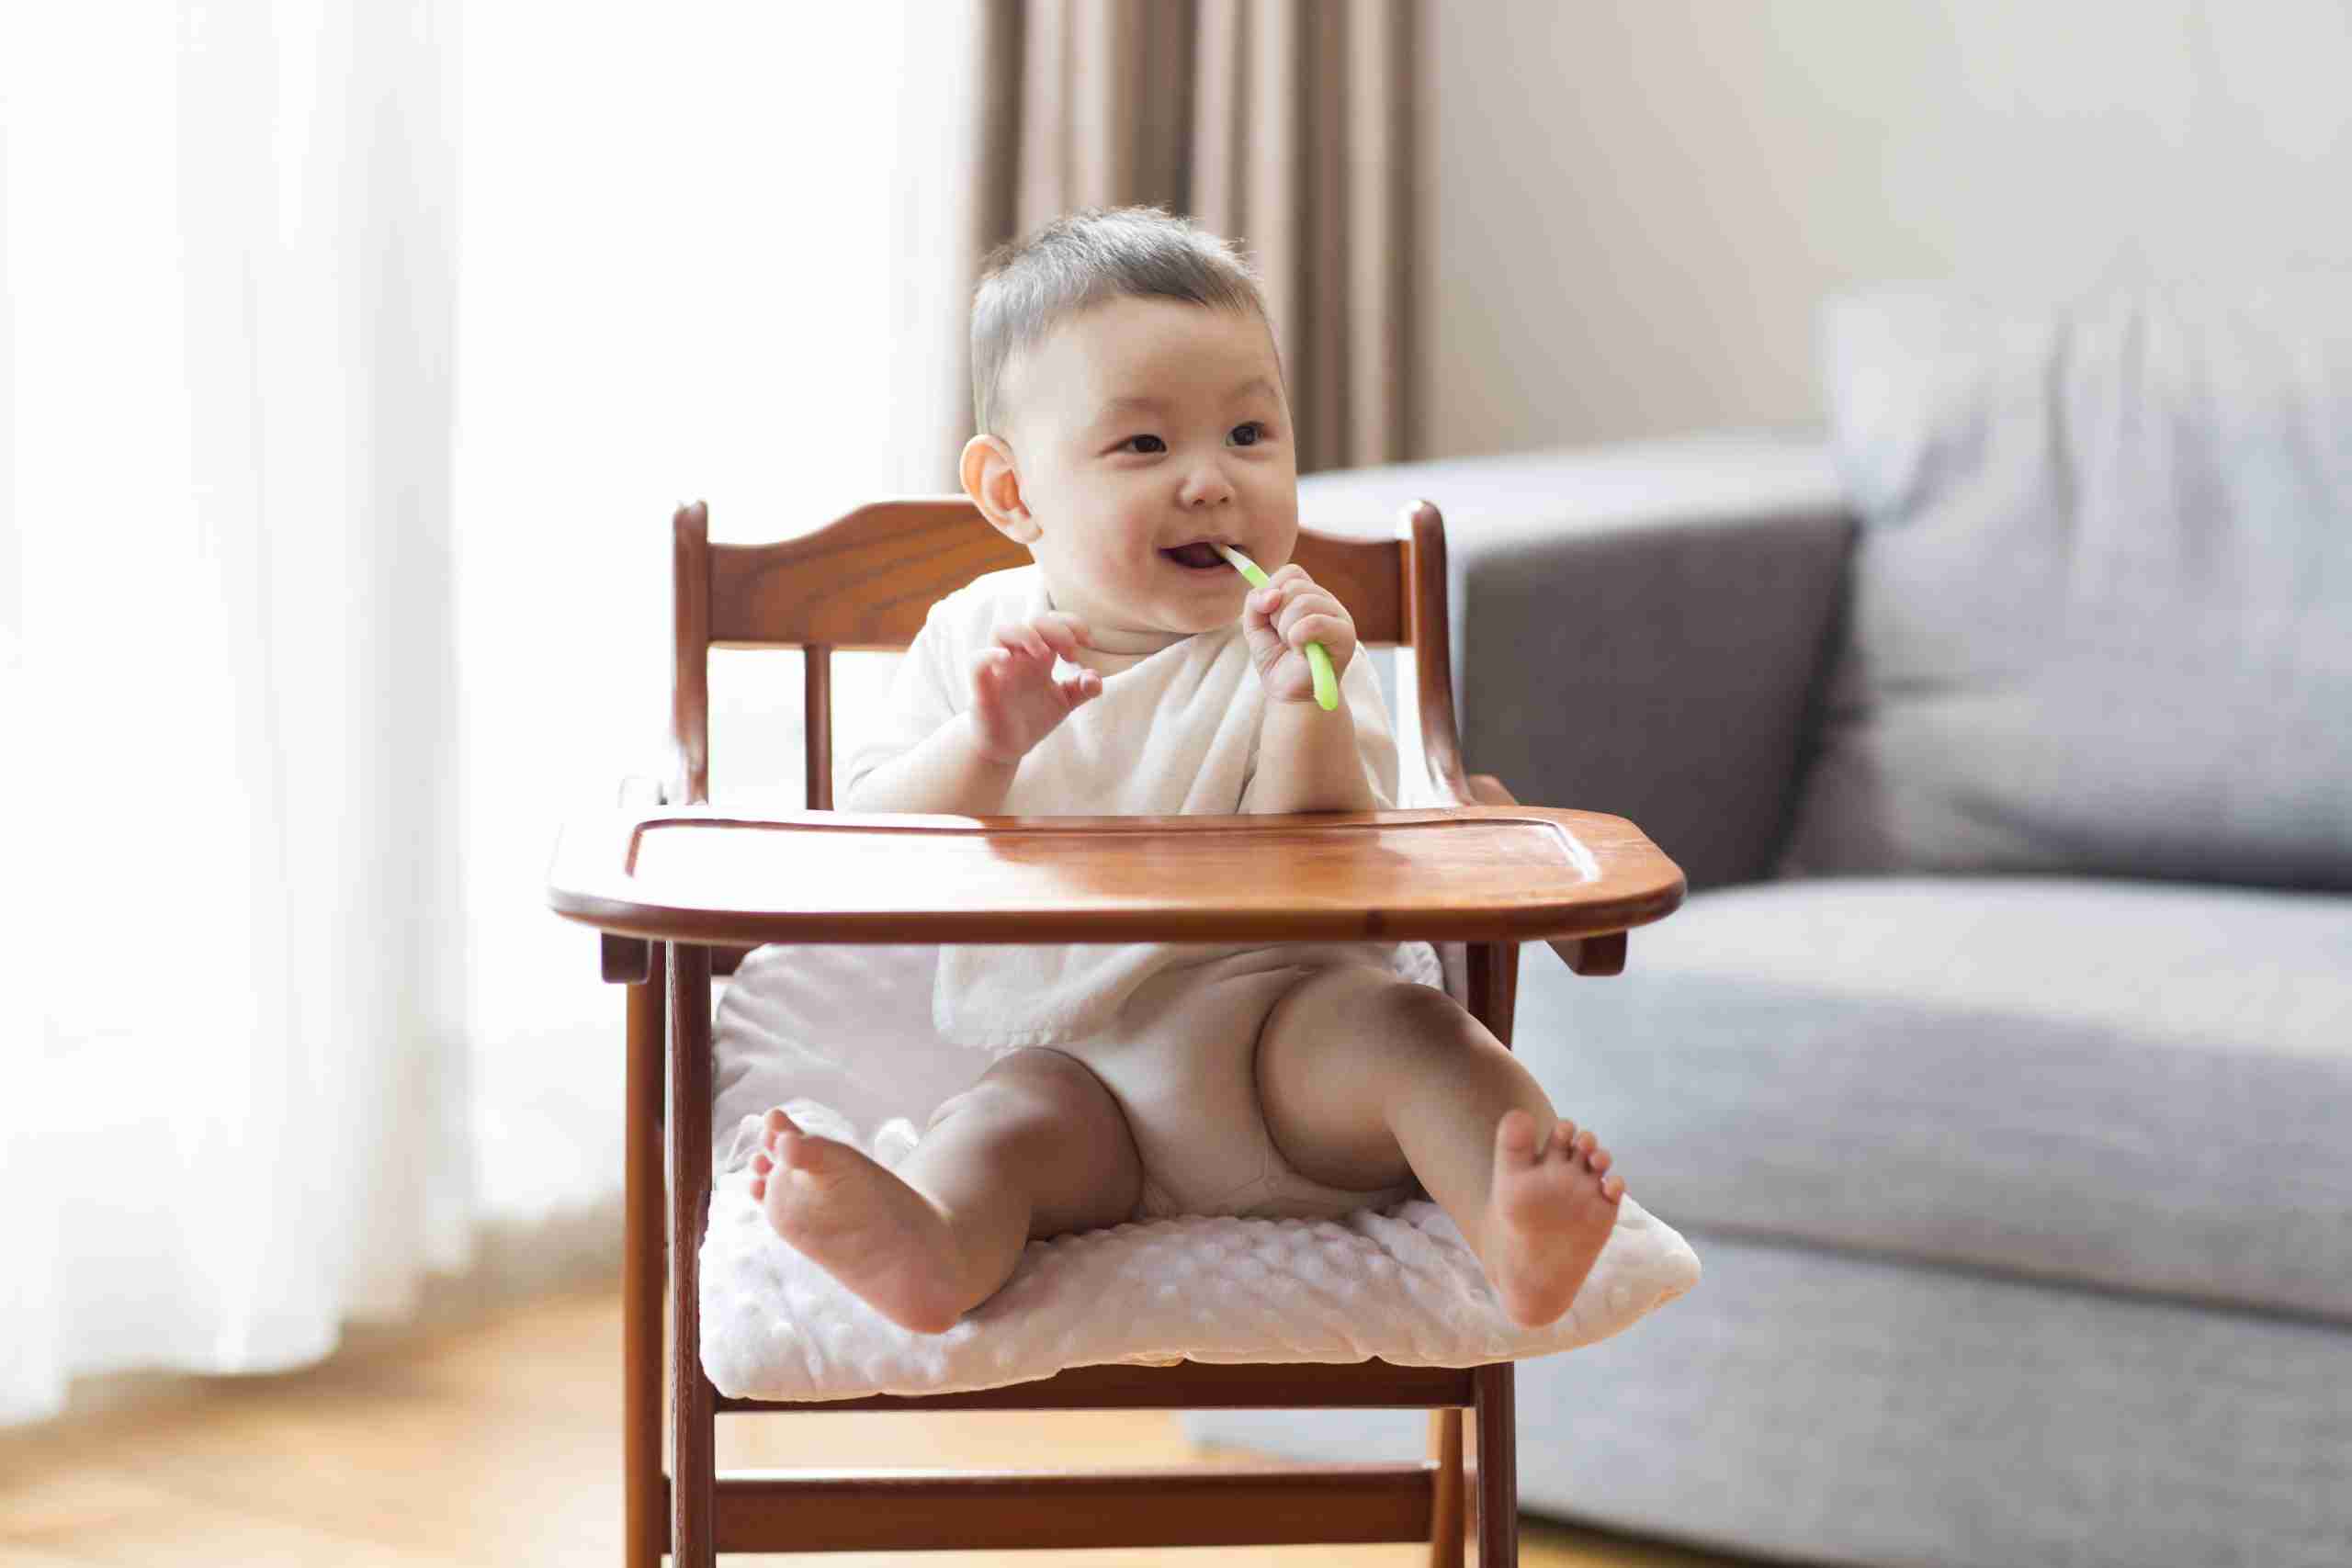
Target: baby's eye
{"type": "Point", "coordinates": [1145, 444]}
{"type": "Point", "coordinates": [1249, 434]}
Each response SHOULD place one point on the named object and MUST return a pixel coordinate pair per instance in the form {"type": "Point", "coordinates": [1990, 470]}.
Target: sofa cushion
{"type": "Point", "coordinates": [2101, 611]}
{"type": "Point", "coordinates": [1808, 1406]}
{"type": "Point", "coordinates": [2134, 1085]}
{"type": "Point", "coordinates": [1630, 623]}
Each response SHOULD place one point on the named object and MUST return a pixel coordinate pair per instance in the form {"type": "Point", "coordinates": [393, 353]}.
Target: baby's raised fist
{"type": "Point", "coordinates": [1016, 702]}
{"type": "Point", "coordinates": [1280, 619]}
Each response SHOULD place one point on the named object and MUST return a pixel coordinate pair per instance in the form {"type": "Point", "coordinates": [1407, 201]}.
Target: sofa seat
{"type": "Point", "coordinates": [2131, 1085]}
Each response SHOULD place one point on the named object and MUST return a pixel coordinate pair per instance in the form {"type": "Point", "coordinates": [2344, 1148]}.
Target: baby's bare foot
{"type": "Point", "coordinates": [1552, 1206]}
{"type": "Point", "coordinates": [860, 1223]}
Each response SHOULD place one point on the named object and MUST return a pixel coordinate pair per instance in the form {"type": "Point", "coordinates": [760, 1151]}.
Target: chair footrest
{"type": "Point", "coordinates": [892, 1510]}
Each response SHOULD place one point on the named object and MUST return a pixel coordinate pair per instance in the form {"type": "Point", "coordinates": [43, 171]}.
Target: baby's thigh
{"type": "Point", "coordinates": [1045, 1117]}
{"type": "Point", "coordinates": [1333, 1056]}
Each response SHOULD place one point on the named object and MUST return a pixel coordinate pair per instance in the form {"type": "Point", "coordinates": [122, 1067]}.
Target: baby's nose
{"type": "Point", "coordinates": [1206, 487]}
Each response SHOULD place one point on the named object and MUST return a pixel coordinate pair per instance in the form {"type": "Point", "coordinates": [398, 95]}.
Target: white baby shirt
{"type": "Point", "coordinates": [1175, 733]}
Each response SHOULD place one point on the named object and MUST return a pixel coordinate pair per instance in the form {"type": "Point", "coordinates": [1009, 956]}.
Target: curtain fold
{"type": "Point", "coordinates": [1284, 126]}
{"type": "Point", "coordinates": [237, 1113]}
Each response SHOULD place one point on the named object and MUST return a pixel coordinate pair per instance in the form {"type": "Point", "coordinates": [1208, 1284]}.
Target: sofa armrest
{"type": "Point", "coordinates": [1636, 629]}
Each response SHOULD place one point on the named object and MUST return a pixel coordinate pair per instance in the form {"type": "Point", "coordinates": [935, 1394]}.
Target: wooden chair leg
{"type": "Point", "coordinates": [694, 1421]}
{"type": "Point", "coordinates": [1498, 1470]}
{"type": "Point", "coordinates": [1447, 1525]}
{"type": "Point", "coordinates": [1492, 977]}
{"type": "Point", "coordinates": [644, 1531]}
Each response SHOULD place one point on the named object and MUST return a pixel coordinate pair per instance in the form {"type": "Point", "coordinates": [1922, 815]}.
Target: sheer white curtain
{"type": "Point", "coordinates": [237, 1116]}
{"type": "Point", "coordinates": [677, 280]}
{"type": "Point", "coordinates": [333, 572]}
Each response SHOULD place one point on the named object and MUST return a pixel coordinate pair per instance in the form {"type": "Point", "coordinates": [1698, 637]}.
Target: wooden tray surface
{"type": "Point", "coordinates": [1480, 874]}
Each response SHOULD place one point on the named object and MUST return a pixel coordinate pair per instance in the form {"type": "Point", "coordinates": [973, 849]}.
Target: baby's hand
{"type": "Point", "coordinates": [1016, 702]}
{"type": "Point", "coordinates": [1281, 619]}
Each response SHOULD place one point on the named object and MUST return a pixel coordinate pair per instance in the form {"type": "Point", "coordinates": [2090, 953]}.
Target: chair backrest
{"type": "Point", "coordinates": [867, 581]}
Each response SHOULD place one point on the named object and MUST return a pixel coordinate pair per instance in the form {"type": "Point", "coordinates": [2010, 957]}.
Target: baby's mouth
{"type": "Point", "coordinates": [1200, 555]}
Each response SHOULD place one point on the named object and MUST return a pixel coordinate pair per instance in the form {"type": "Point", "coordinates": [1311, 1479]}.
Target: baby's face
{"type": "Point", "coordinates": [1141, 426]}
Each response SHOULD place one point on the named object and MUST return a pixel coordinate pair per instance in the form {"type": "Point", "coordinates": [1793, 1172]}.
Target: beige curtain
{"type": "Point", "coordinates": [1284, 125]}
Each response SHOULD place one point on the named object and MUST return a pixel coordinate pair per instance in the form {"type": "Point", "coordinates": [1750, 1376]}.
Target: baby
{"type": "Point", "coordinates": [1132, 410]}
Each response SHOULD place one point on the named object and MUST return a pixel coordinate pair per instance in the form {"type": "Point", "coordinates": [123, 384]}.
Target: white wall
{"type": "Point", "coordinates": [1632, 207]}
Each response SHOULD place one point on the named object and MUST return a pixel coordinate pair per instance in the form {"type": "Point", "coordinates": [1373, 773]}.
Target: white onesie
{"type": "Point", "coordinates": [1171, 1028]}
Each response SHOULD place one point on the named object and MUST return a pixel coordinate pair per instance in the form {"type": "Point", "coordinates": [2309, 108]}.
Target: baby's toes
{"type": "Point", "coordinates": [1597, 1161]}
{"type": "Point", "coordinates": [817, 1162]}
{"type": "Point", "coordinates": [773, 1129]}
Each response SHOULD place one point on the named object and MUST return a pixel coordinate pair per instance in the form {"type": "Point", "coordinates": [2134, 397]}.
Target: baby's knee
{"type": "Point", "coordinates": [1377, 1028]}
{"type": "Point", "coordinates": [1035, 1086]}
{"type": "Point", "coordinates": [1393, 1009]}
{"type": "Point", "coordinates": [1425, 1008]}
{"type": "Point", "coordinates": [1415, 1031]}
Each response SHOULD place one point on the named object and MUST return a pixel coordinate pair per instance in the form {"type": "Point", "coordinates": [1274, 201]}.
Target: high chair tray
{"type": "Point", "coordinates": [1470, 873]}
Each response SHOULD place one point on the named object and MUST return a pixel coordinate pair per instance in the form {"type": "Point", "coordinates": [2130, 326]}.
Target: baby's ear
{"type": "Point", "coordinates": [994, 484]}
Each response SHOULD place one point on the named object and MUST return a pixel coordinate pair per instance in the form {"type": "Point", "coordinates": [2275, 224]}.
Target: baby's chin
{"type": "Point", "coordinates": [1207, 616]}
{"type": "Point", "coordinates": [1165, 622]}
{"type": "Point", "coordinates": [1204, 610]}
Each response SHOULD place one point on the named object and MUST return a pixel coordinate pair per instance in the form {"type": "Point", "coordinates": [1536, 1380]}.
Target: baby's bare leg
{"type": "Point", "coordinates": [1035, 1149]}
{"type": "Point", "coordinates": [1363, 1075]}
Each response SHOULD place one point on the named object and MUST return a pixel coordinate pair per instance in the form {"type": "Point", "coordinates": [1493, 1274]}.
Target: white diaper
{"type": "Point", "coordinates": [1181, 1058]}
{"type": "Point", "coordinates": [850, 1028]}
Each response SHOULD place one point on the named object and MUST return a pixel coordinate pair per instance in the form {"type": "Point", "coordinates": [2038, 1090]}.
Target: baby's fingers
{"type": "Point", "coordinates": [995, 668]}
{"type": "Point", "coordinates": [1300, 603]}
{"type": "Point", "coordinates": [1328, 630]}
{"type": "Point", "coordinates": [1064, 631]}
{"type": "Point", "coordinates": [1024, 641]}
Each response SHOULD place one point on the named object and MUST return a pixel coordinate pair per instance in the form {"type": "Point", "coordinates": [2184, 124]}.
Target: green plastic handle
{"type": "Point", "coordinates": [1318, 660]}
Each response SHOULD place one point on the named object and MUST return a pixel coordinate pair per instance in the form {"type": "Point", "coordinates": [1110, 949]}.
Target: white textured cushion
{"type": "Point", "coordinates": [1398, 1284]}
{"type": "Point", "coordinates": [842, 1036]}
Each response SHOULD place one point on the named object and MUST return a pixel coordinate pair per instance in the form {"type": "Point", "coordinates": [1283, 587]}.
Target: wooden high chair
{"type": "Point", "coordinates": [1476, 877]}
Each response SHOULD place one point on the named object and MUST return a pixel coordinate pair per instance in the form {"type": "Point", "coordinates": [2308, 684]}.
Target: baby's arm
{"type": "Point", "coordinates": [1307, 760]}
{"type": "Point", "coordinates": [947, 775]}
{"type": "Point", "coordinates": [964, 768]}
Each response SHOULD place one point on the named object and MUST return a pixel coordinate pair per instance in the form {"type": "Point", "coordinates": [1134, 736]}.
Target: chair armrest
{"type": "Point", "coordinates": [1594, 956]}
{"type": "Point", "coordinates": [629, 960]}
{"type": "Point", "coordinates": [1639, 630]}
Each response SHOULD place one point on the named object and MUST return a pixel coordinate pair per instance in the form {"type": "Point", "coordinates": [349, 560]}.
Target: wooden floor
{"type": "Point", "coordinates": [500, 1443]}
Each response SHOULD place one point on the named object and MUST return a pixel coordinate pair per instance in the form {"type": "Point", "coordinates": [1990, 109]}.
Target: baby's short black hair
{"type": "Point", "coordinates": [1030, 284]}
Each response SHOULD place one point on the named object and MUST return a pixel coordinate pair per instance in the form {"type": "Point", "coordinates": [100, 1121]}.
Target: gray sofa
{"type": "Point", "coordinates": [1999, 1066]}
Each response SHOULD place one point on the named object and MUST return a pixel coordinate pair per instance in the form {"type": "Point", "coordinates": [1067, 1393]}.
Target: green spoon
{"type": "Point", "coordinates": [1326, 685]}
